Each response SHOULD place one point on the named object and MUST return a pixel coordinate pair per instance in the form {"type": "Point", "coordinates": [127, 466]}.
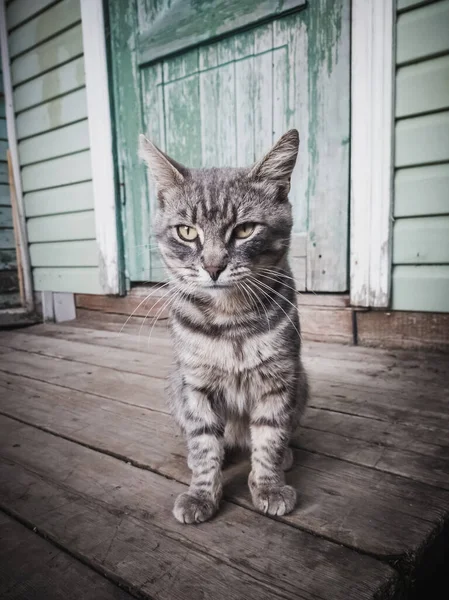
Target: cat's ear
{"type": "Point", "coordinates": [280, 161]}
{"type": "Point", "coordinates": [166, 172]}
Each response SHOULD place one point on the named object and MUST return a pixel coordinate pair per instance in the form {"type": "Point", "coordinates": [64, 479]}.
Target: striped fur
{"type": "Point", "coordinates": [238, 380]}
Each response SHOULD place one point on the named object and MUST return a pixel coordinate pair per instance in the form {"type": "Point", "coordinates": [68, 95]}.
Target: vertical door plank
{"type": "Point", "coordinates": [328, 186]}
{"type": "Point", "coordinates": [244, 98]}
{"type": "Point", "coordinates": [263, 89]}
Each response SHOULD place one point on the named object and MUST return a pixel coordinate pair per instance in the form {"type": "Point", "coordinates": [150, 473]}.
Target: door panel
{"type": "Point", "coordinates": [224, 103]}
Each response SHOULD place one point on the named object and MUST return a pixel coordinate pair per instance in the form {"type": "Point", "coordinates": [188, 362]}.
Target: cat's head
{"type": "Point", "coordinates": [217, 227]}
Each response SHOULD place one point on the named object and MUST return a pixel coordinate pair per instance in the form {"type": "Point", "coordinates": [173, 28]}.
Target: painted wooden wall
{"type": "Point", "coordinates": [421, 205]}
{"type": "Point", "coordinates": [9, 288]}
{"type": "Point", "coordinates": [47, 69]}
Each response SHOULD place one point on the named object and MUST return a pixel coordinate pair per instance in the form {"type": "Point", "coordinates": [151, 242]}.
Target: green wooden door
{"type": "Point", "coordinates": [215, 83]}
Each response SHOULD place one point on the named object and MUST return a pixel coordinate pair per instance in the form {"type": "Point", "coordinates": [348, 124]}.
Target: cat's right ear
{"type": "Point", "coordinates": [166, 172]}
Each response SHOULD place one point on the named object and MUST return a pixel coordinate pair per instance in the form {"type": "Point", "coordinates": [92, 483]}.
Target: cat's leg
{"type": "Point", "coordinates": [270, 426]}
{"type": "Point", "coordinates": [204, 432]}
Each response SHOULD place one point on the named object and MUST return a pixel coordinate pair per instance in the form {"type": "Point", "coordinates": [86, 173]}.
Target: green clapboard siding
{"type": "Point", "coordinates": [70, 198]}
{"type": "Point", "coordinates": [421, 288]}
{"type": "Point", "coordinates": [420, 278]}
{"type": "Point", "coordinates": [423, 32]}
{"type": "Point", "coordinates": [55, 228]}
{"type": "Point", "coordinates": [422, 140]}
{"type": "Point", "coordinates": [421, 240]}
{"type": "Point", "coordinates": [5, 216]}
{"type": "Point", "coordinates": [53, 114]}
{"type": "Point", "coordinates": [422, 191]}
{"type": "Point", "coordinates": [423, 87]}
{"type": "Point", "coordinates": [44, 26]}
{"type": "Point", "coordinates": [65, 140]}
{"type": "Point", "coordinates": [49, 55]}
{"type": "Point", "coordinates": [19, 11]}
{"type": "Point", "coordinates": [57, 82]}
{"type": "Point", "coordinates": [65, 254]}
{"type": "Point", "coordinates": [83, 280]}
{"type": "Point", "coordinates": [6, 239]}
{"type": "Point", "coordinates": [47, 65]}
{"type": "Point", "coordinates": [57, 172]}
{"type": "Point", "coordinates": [5, 199]}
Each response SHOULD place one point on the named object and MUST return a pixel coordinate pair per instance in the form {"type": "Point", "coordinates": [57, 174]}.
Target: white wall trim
{"type": "Point", "coordinates": [372, 136]}
{"type": "Point", "coordinates": [100, 133]}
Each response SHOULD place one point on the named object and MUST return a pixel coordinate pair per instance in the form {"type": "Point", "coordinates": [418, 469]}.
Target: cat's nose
{"type": "Point", "coordinates": [214, 270]}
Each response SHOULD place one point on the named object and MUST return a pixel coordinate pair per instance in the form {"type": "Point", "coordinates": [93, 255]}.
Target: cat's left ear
{"type": "Point", "coordinates": [166, 172]}
{"type": "Point", "coordinates": [280, 161]}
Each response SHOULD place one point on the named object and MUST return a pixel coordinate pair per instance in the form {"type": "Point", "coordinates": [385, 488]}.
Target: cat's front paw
{"type": "Point", "coordinates": [193, 509]}
{"type": "Point", "coordinates": [273, 500]}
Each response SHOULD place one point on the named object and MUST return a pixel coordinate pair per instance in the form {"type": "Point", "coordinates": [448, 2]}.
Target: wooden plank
{"type": "Point", "coordinates": [57, 171]}
{"type": "Point", "coordinates": [64, 254]}
{"type": "Point", "coordinates": [58, 50]}
{"type": "Point", "coordinates": [33, 567]}
{"type": "Point", "coordinates": [423, 87]}
{"type": "Point", "coordinates": [70, 198]}
{"type": "Point", "coordinates": [65, 227]}
{"type": "Point", "coordinates": [329, 101]}
{"type": "Point", "coordinates": [67, 279]}
{"type": "Point", "coordinates": [422, 140]}
{"type": "Point", "coordinates": [8, 259]}
{"type": "Point", "coordinates": [108, 226]}
{"type": "Point", "coordinates": [402, 513]}
{"type": "Point", "coordinates": [3, 133]}
{"type": "Point", "coordinates": [119, 515]}
{"type": "Point", "coordinates": [51, 115]}
{"type": "Point", "coordinates": [326, 324]}
{"type": "Point", "coordinates": [423, 32]}
{"type": "Point", "coordinates": [61, 80]}
{"type": "Point", "coordinates": [134, 302]}
{"type": "Point", "coordinates": [45, 25]}
{"type": "Point", "coordinates": [9, 281]}
{"type": "Point", "coordinates": [6, 239]}
{"type": "Point", "coordinates": [424, 287]}
{"type": "Point", "coordinates": [404, 330]}
{"type": "Point", "coordinates": [195, 24]}
{"type": "Point", "coordinates": [329, 376]}
{"type": "Point", "coordinates": [421, 191]}
{"type": "Point", "coordinates": [5, 217]}
{"type": "Point", "coordinates": [64, 307]}
{"type": "Point", "coordinates": [5, 198]}
{"type": "Point", "coordinates": [9, 300]}
{"type": "Point", "coordinates": [19, 11]}
{"type": "Point", "coordinates": [3, 173]}
{"type": "Point", "coordinates": [421, 240]}
{"type": "Point", "coordinates": [65, 140]}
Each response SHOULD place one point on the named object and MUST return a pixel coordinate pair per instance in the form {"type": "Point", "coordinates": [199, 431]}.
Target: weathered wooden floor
{"type": "Point", "coordinates": [90, 464]}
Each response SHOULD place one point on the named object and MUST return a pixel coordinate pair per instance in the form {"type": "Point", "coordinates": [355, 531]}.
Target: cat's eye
{"type": "Point", "coordinates": [244, 230]}
{"type": "Point", "coordinates": [186, 233]}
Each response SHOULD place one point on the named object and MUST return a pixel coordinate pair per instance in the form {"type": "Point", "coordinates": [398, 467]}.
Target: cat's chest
{"type": "Point", "coordinates": [228, 355]}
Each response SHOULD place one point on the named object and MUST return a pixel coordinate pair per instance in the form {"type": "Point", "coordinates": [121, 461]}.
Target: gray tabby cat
{"type": "Point", "coordinates": [238, 380]}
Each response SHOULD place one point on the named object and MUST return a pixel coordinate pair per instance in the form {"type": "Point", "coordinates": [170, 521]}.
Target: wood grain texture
{"type": "Point", "coordinates": [60, 49]}
{"type": "Point", "coordinates": [423, 32]}
{"type": "Point", "coordinates": [422, 191]}
{"type": "Point", "coordinates": [123, 511]}
{"type": "Point", "coordinates": [60, 80]}
{"type": "Point", "coordinates": [45, 25]}
{"type": "Point", "coordinates": [423, 287]}
{"type": "Point", "coordinates": [423, 87]}
{"type": "Point", "coordinates": [404, 330]}
{"type": "Point", "coordinates": [421, 240]}
{"type": "Point", "coordinates": [32, 567]}
{"type": "Point", "coordinates": [322, 512]}
{"type": "Point", "coordinates": [422, 140]}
